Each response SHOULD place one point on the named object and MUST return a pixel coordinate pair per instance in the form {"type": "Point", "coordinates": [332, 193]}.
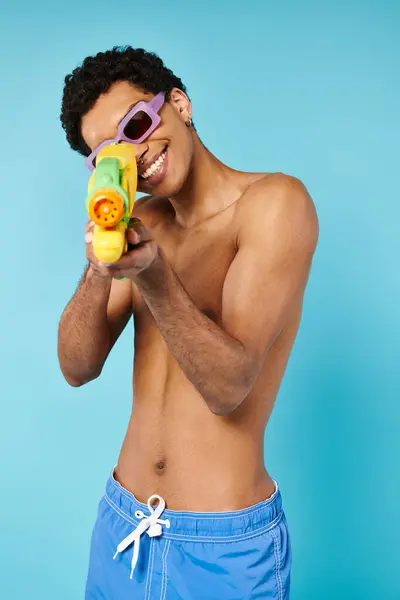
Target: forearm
{"type": "Point", "coordinates": [213, 361]}
{"type": "Point", "coordinates": [83, 333]}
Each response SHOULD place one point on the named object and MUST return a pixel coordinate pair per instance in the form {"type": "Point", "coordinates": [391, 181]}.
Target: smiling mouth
{"type": "Point", "coordinates": [155, 167]}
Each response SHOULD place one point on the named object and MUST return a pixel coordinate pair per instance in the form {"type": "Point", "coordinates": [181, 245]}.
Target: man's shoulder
{"type": "Point", "coordinates": [278, 200]}
{"type": "Point", "coordinates": [272, 193]}
{"type": "Point", "coordinates": [274, 188]}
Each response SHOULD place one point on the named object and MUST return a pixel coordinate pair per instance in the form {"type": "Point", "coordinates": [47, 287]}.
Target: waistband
{"type": "Point", "coordinates": [201, 526]}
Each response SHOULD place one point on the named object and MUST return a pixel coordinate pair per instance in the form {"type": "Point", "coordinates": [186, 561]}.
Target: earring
{"type": "Point", "coordinates": [189, 123]}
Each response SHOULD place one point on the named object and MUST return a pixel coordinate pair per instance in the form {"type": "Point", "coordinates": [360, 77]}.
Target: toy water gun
{"type": "Point", "coordinates": [109, 202]}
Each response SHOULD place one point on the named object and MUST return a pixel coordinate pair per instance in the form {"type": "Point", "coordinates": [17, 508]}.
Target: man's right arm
{"type": "Point", "coordinates": [96, 315]}
{"type": "Point", "coordinates": [91, 324]}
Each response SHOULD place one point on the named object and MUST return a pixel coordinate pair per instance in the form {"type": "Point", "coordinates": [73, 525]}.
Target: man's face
{"type": "Point", "coordinates": [164, 158]}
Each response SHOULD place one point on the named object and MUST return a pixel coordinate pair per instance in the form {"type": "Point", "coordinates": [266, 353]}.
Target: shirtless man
{"type": "Point", "coordinates": [215, 283]}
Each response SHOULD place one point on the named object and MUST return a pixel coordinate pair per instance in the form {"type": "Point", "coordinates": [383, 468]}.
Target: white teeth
{"type": "Point", "coordinates": [155, 166]}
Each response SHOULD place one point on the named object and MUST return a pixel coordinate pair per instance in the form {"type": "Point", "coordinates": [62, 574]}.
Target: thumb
{"type": "Point", "coordinates": [132, 236]}
{"type": "Point", "coordinates": [137, 232]}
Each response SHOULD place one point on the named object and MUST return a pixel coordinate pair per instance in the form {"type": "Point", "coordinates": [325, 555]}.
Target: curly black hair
{"type": "Point", "coordinates": [96, 75]}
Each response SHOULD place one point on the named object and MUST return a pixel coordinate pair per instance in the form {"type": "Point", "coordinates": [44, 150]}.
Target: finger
{"type": "Point", "coordinates": [89, 237]}
{"type": "Point", "coordinates": [138, 227]}
{"type": "Point", "coordinates": [133, 258]}
{"type": "Point", "coordinates": [132, 236]}
{"type": "Point", "coordinates": [100, 268]}
{"type": "Point", "coordinates": [90, 252]}
{"type": "Point", "coordinates": [103, 270]}
{"type": "Point", "coordinates": [89, 226]}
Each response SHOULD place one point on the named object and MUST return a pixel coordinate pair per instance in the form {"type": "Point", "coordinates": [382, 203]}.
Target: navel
{"type": "Point", "coordinates": [160, 467]}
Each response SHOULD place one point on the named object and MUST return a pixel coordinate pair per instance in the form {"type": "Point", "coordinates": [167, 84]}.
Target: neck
{"type": "Point", "coordinates": [210, 187]}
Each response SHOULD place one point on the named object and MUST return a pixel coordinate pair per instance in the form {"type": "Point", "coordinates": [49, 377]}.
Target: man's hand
{"type": "Point", "coordinates": [96, 267]}
{"type": "Point", "coordinates": [142, 251]}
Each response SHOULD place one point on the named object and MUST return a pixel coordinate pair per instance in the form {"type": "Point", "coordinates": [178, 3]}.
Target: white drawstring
{"type": "Point", "coordinates": [151, 524]}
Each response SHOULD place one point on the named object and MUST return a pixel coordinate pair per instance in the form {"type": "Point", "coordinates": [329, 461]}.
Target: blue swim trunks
{"type": "Point", "coordinates": [148, 552]}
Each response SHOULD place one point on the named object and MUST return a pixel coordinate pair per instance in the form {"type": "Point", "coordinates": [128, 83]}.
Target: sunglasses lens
{"type": "Point", "coordinates": [137, 126]}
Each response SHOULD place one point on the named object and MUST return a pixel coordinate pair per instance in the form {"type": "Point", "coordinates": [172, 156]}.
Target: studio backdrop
{"type": "Point", "coordinates": [307, 88]}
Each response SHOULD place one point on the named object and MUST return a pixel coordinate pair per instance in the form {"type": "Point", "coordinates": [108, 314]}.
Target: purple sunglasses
{"type": "Point", "coordinates": [135, 127]}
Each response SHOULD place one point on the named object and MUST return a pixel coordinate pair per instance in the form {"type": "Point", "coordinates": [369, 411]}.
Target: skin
{"type": "Point", "coordinates": [216, 279]}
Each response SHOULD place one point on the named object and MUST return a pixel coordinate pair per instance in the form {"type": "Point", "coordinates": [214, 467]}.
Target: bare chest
{"type": "Point", "coordinates": [201, 260]}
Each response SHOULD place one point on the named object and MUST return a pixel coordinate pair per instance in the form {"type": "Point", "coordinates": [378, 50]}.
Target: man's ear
{"type": "Point", "coordinates": [181, 103]}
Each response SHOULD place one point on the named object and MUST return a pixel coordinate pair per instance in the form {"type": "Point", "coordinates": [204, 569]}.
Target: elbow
{"type": "Point", "coordinates": [74, 382]}
{"type": "Point", "coordinates": [222, 409]}
{"type": "Point", "coordinates": [76, 379]}
{"type": "Point", "coordinates": [225, 402]}
{"type": "Point", "coordinates": [77, 382]}
{"type": "Point", "coordinates": [79, 369]}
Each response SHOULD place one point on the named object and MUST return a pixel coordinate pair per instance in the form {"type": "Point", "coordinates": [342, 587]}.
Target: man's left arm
{"type": "Point", "coordinates": [270, 270]}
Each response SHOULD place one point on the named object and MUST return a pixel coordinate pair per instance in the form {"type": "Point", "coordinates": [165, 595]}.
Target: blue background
{"type": "Point", "coordinates": [321, 82]}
